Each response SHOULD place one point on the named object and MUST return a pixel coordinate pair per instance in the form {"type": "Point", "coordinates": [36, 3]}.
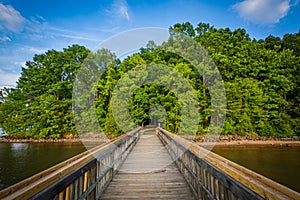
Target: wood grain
{"type": "Point", "coordinates": [148, 173]}
{"type": "Point", "coordinates": [261, 185]}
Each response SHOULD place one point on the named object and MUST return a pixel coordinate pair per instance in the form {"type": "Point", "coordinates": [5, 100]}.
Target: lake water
{"type": "Point", "coordinates": [21, 160]}
{"type": "Point", "coordinates": [281, 164]}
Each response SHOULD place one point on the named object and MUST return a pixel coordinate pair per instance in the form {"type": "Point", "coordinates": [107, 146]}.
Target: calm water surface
{"type": "Point", "coordinates": [281, 164]}
{"type": "Point", "coordinates": [21, 160]}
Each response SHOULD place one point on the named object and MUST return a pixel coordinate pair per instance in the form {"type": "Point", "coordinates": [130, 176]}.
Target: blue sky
{"type": "Point", "coordinates": [29, 27]}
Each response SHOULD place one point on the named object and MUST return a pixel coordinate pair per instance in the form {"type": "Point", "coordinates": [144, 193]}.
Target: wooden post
{"type": "Point", "coordinates": [85, 181]}
{"type": "Point", "coordinates": [68, 193]}
{"type": "Point", "coordinates": [61, 195]}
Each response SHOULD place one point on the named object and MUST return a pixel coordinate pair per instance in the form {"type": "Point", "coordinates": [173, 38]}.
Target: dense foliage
{"type": "Point", "coordinates": [261, 79]}
{"type": "Point", "coordinates": [41, 104]}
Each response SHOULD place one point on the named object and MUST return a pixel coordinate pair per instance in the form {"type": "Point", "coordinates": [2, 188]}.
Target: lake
{"type": "Point", "coordinates": [281, 164]}
{"type": "Point", "coordinates": [21, 160]}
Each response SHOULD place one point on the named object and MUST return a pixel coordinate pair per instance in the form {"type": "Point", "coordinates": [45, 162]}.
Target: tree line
{"type": "Point", "coordinates": [261, 80]}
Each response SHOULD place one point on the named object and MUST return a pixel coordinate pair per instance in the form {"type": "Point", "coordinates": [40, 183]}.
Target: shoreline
{"type": "Point", "coordinates": [59, 140]}
{"type": "Point", "coordinates": [258, 141]}
{"type": "Point", "coordinates": [249, 143]}
{"type": "Point", "coordinates": [199, 140]}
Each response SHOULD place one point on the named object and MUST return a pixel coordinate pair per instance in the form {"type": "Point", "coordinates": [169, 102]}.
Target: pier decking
{"type": "Point", "coordinates": [148, 164]}
{"type": "Point", "coordinates": [148, 173]}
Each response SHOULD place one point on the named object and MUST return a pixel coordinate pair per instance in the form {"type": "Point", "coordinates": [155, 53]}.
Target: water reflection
{"type": "Point", "coordinates": [19, 146]}
{"type": "Point", "coordinates": [19, 152]}
{"type": "Point", "coordinates": [21, 160]}
{"type": "Point", "coordinates": [281, 164]}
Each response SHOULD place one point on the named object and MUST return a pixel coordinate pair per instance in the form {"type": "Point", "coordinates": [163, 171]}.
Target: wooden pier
{"type": "Point", "coordinates": [148, 164]}
{"type": "Point", "coordinates": [148, 173]}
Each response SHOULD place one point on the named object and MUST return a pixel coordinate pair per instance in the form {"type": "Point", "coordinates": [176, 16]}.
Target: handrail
{"type": "Point", "coordinates": [214, 177]}
{"type": "Point", "coordinates": [85, 175]}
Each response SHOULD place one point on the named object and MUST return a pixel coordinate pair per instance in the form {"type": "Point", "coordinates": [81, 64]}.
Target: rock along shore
{"type": "Point", "coordinates": [223, 140]}
{"type": "Point", "coordinates": [59, 140]}
{"type": "Point", "coordinates": [33, 140]}
{"type": "Point", "coordinates": [233, 140]}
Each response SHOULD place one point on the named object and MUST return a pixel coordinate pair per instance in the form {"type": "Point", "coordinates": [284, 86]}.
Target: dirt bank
{"type": "Point", "coordinates": [232, 140]}
{"type": "Point", "coordinates": [252, 143]}
{"type": "Point", "coordinates": [32, 140]}
{"type": "Point", "coordinates": [60, 140]}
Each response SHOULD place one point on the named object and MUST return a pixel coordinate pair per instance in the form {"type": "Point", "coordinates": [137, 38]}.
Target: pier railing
{"type": "Point", "coordinates": [213, 177]}
{"type": "Point", "coordinates": [82, 177]}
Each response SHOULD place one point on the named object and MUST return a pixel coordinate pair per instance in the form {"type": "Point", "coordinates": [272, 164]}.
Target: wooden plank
{"type": "Point", "coordinates": [68, 193]}
{"type": "Point", "coordinates": [61, 196]}
{"type": "Point", "coordinates": [33, 185]}
{"type": "Point", "coordinates": [263, 186]}
{"type": "Point", "coordinates": [85, 182]}
{"type": "Point", "coordinates": [148, 173]}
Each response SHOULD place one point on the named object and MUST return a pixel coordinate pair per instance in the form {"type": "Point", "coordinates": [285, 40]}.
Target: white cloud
{"type": "Point", "coordinates": [22, 63]}
{"type": "Point", "coordinates": [47, 31]}
{"type": "Point", "coordinates": [4, 38]}
{"type": "Point", "coordinates": [263, 11]}
{"type": "Point", "coordinates": [36, 50]}
{"type": "Point", "coordinates": [123, 10]}
{"type": "Point", "coordinates": [36, 28]}
{"type": "Point", "coordinates": [8, 79]}
{"type": "Point", "coordinates": [119, 9]}
{"type": "Point", "coordinates": [10, 19]}
{"type": "Point", "coordinates": [76, 37]}
{"type": "Point", "coordinates": [30, 50]}
{"type": "Point", "coordinates": [38, 19]}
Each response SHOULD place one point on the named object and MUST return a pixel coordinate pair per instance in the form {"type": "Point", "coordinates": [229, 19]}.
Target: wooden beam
{"type": "Point", "coordinates": [263, 186]}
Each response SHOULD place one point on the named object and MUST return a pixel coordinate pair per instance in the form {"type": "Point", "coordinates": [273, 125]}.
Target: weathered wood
{"type": "Point", "coordinates": [61, 196]}
{"type": "Point", "coordinates": [67, 193]}
{"type": "Point", "coordinates": [148, 173]}
{"type": "Point", "coordinates": [85, 182]}
{"type": "Point", "coordinates": [71, 170]}
{"type": "Point", "coordinates": [233, 180]}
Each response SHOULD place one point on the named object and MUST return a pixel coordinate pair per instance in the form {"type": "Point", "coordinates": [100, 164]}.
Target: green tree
{"type": "Point", "coordinates": [41, 103]}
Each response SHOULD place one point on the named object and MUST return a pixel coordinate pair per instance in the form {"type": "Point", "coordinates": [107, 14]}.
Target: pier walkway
{"type": "Point", "coordinates": [148, 164]}
{"type": "Point", "coordinates": [148, 173]}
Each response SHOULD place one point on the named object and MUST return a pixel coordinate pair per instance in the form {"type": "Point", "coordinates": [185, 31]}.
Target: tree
{"type": "Point", "coordinates": [261, 80]}
{"type": "Point", "coordinates": [42, 99]}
